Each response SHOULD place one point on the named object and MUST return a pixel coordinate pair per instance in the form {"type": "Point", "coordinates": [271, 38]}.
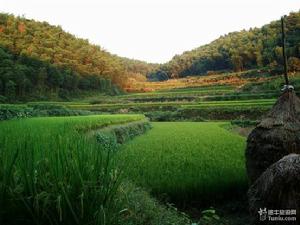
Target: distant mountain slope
{"type": "Point", "coordinates": [38, 47]}
{"type": "Point", "coordinates": [258, 47]}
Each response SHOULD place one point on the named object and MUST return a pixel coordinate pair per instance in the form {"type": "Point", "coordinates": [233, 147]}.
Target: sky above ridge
{"type": "Point", "coordinates": [151, 30]}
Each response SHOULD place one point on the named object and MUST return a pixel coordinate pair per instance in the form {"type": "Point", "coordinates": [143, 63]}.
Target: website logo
{"type": "Point", "coordinates": [262, 214]}
{"type": "Point", "coordinates": [277, 214]}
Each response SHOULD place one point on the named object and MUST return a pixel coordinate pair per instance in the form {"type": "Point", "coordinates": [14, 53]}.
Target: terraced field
{"type": "Point", "coordinates": [259, 102]}
{"type": "Point", "coordinates": [188, 161]}
{"type": "Point", "coordinates": [233, 79]}
{"type": "Point", "coordinates": [48, 166]}
{"type": "Point", "coordinates": [199, 91]}
{"type": "Point", "coordinates": [203, 101]}
{"type": "Point", "coordinates": [51, 172]}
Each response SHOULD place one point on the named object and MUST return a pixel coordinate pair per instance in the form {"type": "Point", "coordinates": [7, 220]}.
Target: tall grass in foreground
{"type": "Point", "coordinates": [187, 161]}
{"type": "Point", "coordinates": [50, 173]}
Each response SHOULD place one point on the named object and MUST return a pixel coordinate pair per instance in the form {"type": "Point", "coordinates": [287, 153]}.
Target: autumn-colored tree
{"type": "Point", "coordinates": [255, 48]}
{"type": "Point", "coordinates": [36, 54]}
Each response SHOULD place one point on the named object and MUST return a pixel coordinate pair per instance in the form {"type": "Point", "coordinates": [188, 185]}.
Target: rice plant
{"type": "Point", "coordinates": [187, 161]}
{"type": "Point", "coordinates": [52, 173]}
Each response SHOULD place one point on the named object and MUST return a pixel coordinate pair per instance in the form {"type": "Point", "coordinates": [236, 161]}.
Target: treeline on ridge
{"type": "Point", "coordinates": [238, 51]}
{"type": "Point", "coordinates": [38, 58]}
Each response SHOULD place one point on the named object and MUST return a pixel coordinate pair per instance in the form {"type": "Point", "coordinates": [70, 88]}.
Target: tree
{"type": "Point", "coordinates": [41, 77]}
{"type": "Point", "coordinates": [258, 47]}
{"type": "Point", "coordinates": [38, 44]}
{"type": "Point", "coordinates": [294, 64]}
{"type": "Point", "coordinates": [10, 89]}
{"type": "Point", "coordinates": [55, 78]}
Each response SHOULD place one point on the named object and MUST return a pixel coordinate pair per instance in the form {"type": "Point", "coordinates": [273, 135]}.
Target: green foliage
{"type": "Point", "coordinates": [271, 86]}
{"type": "Point", "coordinates": [142, 209]}
{"type": "Point", "coordinates": [2, 99]}
{"type": "Point", "coordinates": [224, 112]}
{"type": "Point", "coordinates": [243, 96]}
{"type": "Point", "coordinates": [8, 112]}
{"type": "Point", "coordinates": [198, 91]}
{"type": "Point", "coordinates": [187, 161]}
{"type": "Point", "coordinates": [107, 141]}
{"type": "Point", "coordinates": [244, 123]}
{"type": "Point", "coordinates": [134, 66]}
{"type": "Point", "coordinates": [294, 64]}
{"type": "Point", "coordinates": [164, 116]}
{"type": "Point", "coordinates": [122, 133]}
{"type": "Point", "coordinates": [209, 216]}
{"type": "Point", "coordinates": [188, 111]}
{"type": "Point", "coordinates": [158, 75]}
{"type": "Point", "coordinates": [238, 51]}
{"type": "Point", "coordinates": [50, 173]}
{"type": "Point", "coordinates": [127, 132]}
{"type": "Point", "coordinates": [23, 77]}
{"type": "Point", "coordinates": [37, 58]}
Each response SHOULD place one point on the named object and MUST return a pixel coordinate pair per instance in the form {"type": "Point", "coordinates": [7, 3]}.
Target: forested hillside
{"type": "Point", "coordinates": [38, 59]}
{"type": "Point", "coordinates": [41, 61]}
{"type": "Point", "coordinates": [238, 51]}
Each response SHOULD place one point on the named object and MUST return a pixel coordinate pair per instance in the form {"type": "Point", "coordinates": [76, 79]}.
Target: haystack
{"type": "Point", "coordinates": [278, 188]}
{"type": "Point", "coordinates": [277, 135]}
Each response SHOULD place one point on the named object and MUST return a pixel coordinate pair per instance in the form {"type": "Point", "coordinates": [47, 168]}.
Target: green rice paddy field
{"type": "Point", "coordinates": [187, 160]}
{"type": "Point", "coordinates": [52, 173]}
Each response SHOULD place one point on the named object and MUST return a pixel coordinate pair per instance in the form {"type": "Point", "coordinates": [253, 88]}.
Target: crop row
{"type": "Point", "coordinates": [240, 103]}
{"type": "Point", "coordinates": [187, 160]}
{"type": "Point", "coordinates": [51, 173]}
